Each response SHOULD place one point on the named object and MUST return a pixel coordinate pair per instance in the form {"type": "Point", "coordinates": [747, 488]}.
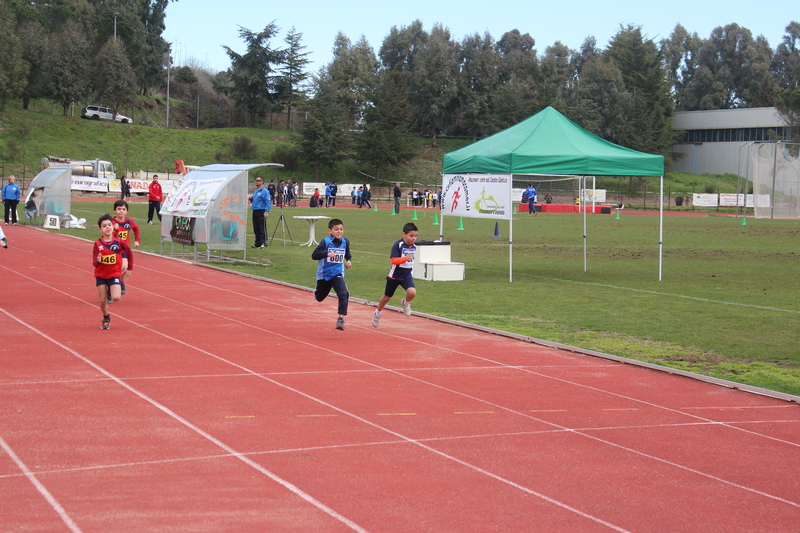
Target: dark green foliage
{"type": "Point", "coordinates": [286, 155]}
{"type": "Point", "coordinates": [386, 141]}
{"type": "Point", "coordinates": [243, 147]}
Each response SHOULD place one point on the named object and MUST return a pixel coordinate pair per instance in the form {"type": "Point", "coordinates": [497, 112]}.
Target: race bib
{"type": "Point", "coordinates": [123, 234]}
{"type": "Point", "coordinates": [109, 260]}
{"type": "Point", "coordinates": [338, 255]}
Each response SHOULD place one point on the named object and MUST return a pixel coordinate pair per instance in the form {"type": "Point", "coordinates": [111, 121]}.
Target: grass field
{"type": "Point", "coordinates": [728, 305]}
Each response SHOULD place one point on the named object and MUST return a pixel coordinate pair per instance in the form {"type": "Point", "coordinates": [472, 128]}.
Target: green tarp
{"type": "Point", "coordinates": [550, 143]}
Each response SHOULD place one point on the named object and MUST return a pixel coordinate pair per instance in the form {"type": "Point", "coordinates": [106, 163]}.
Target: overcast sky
{"type": "Point", "coordinates": [198, 29]}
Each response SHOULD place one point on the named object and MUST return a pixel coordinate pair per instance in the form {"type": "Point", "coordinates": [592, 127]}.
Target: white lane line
{"type": "Point", "coordinates": [41, 488]}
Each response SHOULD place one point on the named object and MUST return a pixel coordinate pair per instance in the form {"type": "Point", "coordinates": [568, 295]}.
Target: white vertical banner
{"type": "Point", "coordinates": [477, 195]}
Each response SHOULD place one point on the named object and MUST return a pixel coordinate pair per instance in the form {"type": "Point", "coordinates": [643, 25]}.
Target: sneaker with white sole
{"type": "Point", "coordinates": [376, 319]}
{"type": "Point", "coordinates": [406, 307]}
{"type": "Point", "coordinates": [340, 323]}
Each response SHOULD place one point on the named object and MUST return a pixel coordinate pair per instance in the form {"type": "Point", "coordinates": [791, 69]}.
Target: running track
{"type": "Point", "coordinates": [219, 402]}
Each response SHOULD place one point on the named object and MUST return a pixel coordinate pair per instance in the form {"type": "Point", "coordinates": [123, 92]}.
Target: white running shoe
{"type": "Point", "coordinates": [406, 307]}
{"type": "Point", "coordinates": [376, 319]}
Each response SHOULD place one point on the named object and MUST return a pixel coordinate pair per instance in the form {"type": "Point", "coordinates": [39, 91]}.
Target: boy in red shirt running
{"type": "Point", "coordinates": [123, 226]}
{"type": "Point", "coordinates": [110, 261]}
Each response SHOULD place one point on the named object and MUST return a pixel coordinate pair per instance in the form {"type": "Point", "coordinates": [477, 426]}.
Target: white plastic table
{"type": "Point", "coordinates": [312, 222]}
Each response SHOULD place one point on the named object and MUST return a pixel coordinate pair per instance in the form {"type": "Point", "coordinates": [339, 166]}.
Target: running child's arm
{"type": "Point", "coordinates": [320, 252]}
{"type": "Point", "coordinates": [135, 228]}
{"type": "Point", "coordinates": [347, 255]}
{"type": "Point", "coordinates": [127, 254]}
{"type": "Point", "coordinates": [401, 260]}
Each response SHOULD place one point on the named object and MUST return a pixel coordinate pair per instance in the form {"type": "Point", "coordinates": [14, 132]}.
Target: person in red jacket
{"type": "Point", "coordinates": [154, 199]}
{"type": "Point", "coordinates": [110, 261]}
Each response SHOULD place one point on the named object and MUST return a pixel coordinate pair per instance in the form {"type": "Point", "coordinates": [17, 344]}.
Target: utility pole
{"type": "Point", "coordinates": [169, 60]}
{"type": "Point", "coordinates": [115, 26]}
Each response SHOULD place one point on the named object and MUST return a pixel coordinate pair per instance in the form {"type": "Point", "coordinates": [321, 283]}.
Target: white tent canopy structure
{"type": "Point", "coordinates": [210, 205]}
{"type": "Point", "coordinates": [50, 193]}
{"type": "Point", "coordinates": [478, 178]}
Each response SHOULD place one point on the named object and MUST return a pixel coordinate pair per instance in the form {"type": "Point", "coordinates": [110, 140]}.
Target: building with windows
{"type": "Point", "coordinates": [713, 140]}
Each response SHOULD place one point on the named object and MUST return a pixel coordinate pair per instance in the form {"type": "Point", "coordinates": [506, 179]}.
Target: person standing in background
{"type": "Point", "coordinates": [397, 194]}
{"type": "Point", "coordinates": [260, 204]}
{"type": "Point", "coordinates": [11, 193]}
{"type": "Point", "coordinates": [154, 199]}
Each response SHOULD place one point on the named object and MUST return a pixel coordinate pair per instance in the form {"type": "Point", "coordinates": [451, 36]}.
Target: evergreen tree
{"type": "Point", "coordinates": [324, 138]}
{"type": "Point", "coordinates": [387, 141]}
{"type": "Point", "coordinates": [254, 82]}
{"type": "Point", "coordinates": [477, 81]}
{"type": "Point", "coordinates": [13, 68]}
{"type": "Point", "coordinates": [640, 64]}
{"type": "Point", "coordinates": [67, 66]}
{"type": "Point", "coordinates": [352, 73]}
{"type": "Point", "coordinates": [293, 73]}
{"type": "Point", "coordinates": [114, 78]}
{"type": "Point", "coordinates": [433, 86]}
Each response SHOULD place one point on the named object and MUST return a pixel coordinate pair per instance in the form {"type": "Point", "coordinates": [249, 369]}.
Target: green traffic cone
{"type": "Point", "coordinates": [617, 217]}
{"type": "Point", "coordinates": [376, 207]}
{"type": "Point", "coordinates": [394, 210]}
{"type": "Point", "coordinates": [744, 220]}
{"type": "Point", "coordinates": [460, 223]}
{"type": "Point", "coordinates": [435, 219]}
{"type": "Point", "coordinates": [515, 209]}
{"type": "Point", "coordinates": [415, 215]}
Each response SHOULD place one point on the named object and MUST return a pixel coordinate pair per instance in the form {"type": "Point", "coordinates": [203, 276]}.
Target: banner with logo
{"type": "Point", "coordinates": [477, 195]}
{"type": "Point", "coordinates": [192, 197]}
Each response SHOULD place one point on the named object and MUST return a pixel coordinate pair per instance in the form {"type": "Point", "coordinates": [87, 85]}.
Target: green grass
{"type": "Point", "coordinates": [728, 305]}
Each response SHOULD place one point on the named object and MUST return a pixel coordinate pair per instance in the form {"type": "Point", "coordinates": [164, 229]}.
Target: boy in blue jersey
{"type": "Point", "coordinates": [333, 254]}
{"type": "Point", "coordinates": [402, 257]}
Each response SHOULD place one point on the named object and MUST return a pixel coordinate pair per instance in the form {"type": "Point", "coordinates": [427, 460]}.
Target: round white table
{"type": "Point", "coordinates": [312, 222]}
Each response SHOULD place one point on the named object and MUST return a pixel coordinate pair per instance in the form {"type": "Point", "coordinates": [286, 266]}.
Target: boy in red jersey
{"type": "Point", "coordinates": [110, 261]}
{"type": "Point", "coordinates": [123, 226]}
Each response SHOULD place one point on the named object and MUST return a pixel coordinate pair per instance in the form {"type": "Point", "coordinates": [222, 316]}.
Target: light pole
{"type": "Point", "coordinates": [169, 60]}
{"type": "Point", "coordinates": [115, 26]}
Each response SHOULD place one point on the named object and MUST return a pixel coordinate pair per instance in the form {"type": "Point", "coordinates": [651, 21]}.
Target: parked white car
{"type": "Point", "coordinates": [97, 112]}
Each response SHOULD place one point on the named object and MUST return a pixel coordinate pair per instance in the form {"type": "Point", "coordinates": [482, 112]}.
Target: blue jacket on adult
{"type": "Point", "coordinates": [262, 199]}
{"type": "Point", "coordinates": [11, 191]}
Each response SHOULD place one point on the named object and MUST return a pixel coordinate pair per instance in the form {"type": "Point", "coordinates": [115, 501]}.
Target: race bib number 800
{"type": "Point", "coordinates": [338, 255]}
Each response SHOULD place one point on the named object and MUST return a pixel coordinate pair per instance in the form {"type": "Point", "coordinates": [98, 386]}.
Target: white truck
{"type": "Point", "coordinates": [88, 175]}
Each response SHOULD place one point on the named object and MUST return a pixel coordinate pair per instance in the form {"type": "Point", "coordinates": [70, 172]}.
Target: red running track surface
{"type": "Point", "coordinates": [219, 402]}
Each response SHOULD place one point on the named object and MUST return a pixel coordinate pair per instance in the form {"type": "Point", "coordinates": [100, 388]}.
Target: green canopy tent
{"type": "Point", "coordinates": [548, 143]}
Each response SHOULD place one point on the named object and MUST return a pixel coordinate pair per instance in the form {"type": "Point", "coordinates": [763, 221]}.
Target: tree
{"type": "Point", "coordinates": [788, 104]}
{"type": "Point", "coordinates": [604, 105]}
{"type": "Point", "coordinates": [34, 47]}
{"type": "Point", "coordinates": [387, 140]}
{"type": "Point", "coordinates": [517, 57]}
{"type": "Point", "coordinates": [253, 77]}
{"type": "Point", "coordinates": [641, 66]}
{"type": "Point", "coordinates": [477, 81]}
{"type": "Point", "coordinates": [352, 73]}
{"type": "Point", "coordinates": [556, 77]}
{"type": "Point", "coordinates": [67, 66]}
{"type": "Point", "coordinates": [434, 82]}
{"type": "Point", "coordinates": [786, 62]}
{"type": "Point", "coordinates": [679, 54]}
{"type": "Point", "coordinates": [324, 138]}
{"type": "Point", "coordinates": [114, 78]}
{"type": "Point", "coordinates": [734, 71]}
{"type": "Point", "coordinates": [401, 45]}
{"type": "Point", "coordinates": [293, 73]}
{"type": "Point", "coordinates": [13, 68]}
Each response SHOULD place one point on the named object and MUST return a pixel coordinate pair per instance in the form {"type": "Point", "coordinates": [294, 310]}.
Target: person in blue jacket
{"type": "Point", "coordinates": [333, 256]}
{"type": "Point", "coordinates": [11, 195]}
{"type": "Point", "coordinates": [531, 193]}
{"type": "Point", "coordinates": [261, 203]}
